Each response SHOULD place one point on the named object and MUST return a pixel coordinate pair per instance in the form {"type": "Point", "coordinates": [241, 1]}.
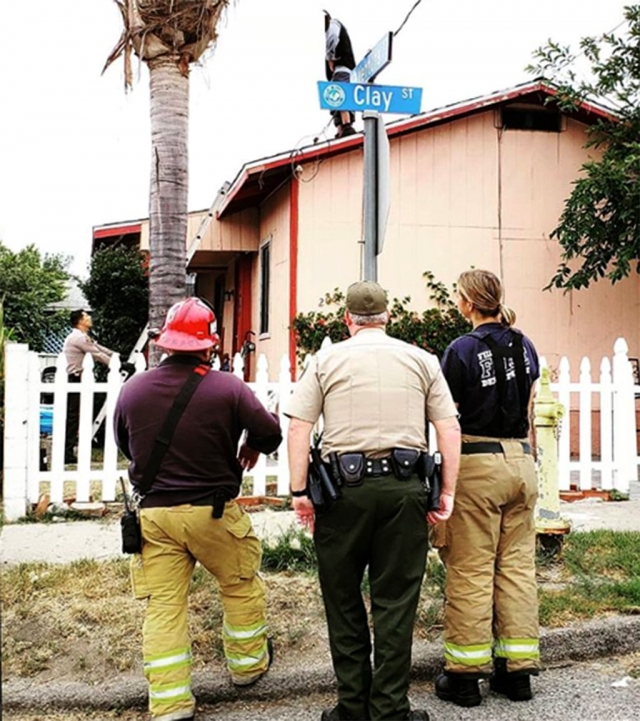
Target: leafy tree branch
{"type": "Point", "coordinates": [599, 229]}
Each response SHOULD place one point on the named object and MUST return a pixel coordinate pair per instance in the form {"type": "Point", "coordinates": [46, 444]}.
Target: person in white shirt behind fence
{"type": "Point", "coordinates": [76, 345]}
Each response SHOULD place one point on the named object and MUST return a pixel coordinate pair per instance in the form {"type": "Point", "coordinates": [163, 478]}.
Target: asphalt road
{"type": "Point", "coordinates": [578, 692]}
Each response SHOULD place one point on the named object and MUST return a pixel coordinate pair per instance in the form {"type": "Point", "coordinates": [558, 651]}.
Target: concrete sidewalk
{"type": "Point", "coordinates": [68, 541]}
{"type": "Point", "coordinates": [64, 542]}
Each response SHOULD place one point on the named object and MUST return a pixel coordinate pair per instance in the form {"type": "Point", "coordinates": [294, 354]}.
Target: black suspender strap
{"type": "Point", "coordinates": [513, 418]}
{"type": "Point", "coordinates": [521, 371]}
{"type": "Point", "coordinates": [163, 440]}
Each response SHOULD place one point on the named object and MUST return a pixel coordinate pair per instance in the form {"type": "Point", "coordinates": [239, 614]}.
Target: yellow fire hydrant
{"type": "Point", "coordinates": [550, 527]}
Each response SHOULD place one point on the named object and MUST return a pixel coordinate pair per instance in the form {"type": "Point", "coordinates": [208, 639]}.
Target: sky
{"type": "Point", "coordinates": [75, 148]}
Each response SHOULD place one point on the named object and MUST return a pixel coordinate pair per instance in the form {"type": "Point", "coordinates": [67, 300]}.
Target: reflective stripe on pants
{"type": "Point", "coordinates": [517, 648]}
{"type": "Point", "coordinates": [245, 648]}
{"type": "Point", "coordinates": [468, 655]}
{"type": "Point", "coordinates": [174, 539]}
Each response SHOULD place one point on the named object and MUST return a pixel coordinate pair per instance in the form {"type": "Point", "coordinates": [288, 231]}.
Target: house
{"type": "Point", "coordinates": [480, 183]}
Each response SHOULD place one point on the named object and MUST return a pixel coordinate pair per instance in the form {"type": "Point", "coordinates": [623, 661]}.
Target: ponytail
{"type": "Point", "coordinates": [507, 316]}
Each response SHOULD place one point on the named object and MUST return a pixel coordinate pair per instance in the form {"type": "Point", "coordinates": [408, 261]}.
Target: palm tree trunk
{"type": "Point", "coordinates": [168, 209]}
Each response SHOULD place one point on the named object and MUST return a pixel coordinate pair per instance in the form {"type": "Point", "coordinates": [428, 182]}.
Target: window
{"type": "Point", "coordinates": [265, 272]}
{"type": "Point", "coordinates": [544, 119]}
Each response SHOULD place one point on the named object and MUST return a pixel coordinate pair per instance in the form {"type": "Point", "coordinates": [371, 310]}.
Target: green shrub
{"type": "Point", "coordinates": [433, 329]}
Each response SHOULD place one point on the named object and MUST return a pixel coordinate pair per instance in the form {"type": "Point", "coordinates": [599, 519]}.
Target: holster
{"type": "Point", "coordinates": [429, 469]}
{"type": "Point", "coordinates": [320, 485]}
{"type": "Point", "coordinates": [351, 468]}
{"type": "Point", "coordinates": [314, 488]}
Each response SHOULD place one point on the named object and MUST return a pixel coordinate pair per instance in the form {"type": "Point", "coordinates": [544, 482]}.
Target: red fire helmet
{"type": "Point", "coordinates": [190, 326]}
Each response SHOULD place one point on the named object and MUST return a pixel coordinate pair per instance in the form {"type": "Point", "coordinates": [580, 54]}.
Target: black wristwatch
{"type": "Point", "coordinates": [299, 494]}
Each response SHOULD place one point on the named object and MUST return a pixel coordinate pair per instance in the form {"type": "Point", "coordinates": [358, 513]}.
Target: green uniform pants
{"type": "Point", "coordinates": [380, 524]}
{"type": "Point", "coordinates": [174, 539]}
{"type": "Point", "coordinates": [491, 605]}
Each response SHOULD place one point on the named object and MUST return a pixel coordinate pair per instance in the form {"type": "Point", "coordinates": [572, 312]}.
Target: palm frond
{"type": "Point", "coordinates": [180, 28]}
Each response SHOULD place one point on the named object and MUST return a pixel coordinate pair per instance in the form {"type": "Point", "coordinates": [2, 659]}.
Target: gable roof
{"type": "Point", "coordinates": [260, 178]}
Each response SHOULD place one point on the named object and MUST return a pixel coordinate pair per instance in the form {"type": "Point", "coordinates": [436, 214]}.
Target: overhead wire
{"type": "Point", "coordinates": [407, 16]}
{"type": "Point", "coordinates": [296, 150]}
{"type": "Point", "coordinates": [571, 58]}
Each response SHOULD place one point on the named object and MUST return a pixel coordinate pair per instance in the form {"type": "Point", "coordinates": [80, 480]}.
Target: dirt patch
{"type": "Point", "coordinates": [80, 622]}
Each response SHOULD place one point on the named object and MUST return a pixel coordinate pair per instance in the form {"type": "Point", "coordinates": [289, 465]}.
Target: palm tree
{"type": "Point", "coordinates": [168, 35]}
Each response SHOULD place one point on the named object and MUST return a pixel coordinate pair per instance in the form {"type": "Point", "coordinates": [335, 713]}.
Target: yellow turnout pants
{"type": "Point", "coordinates": [488, 547]}
{"type": "Point", "coordinates": [174, 539]}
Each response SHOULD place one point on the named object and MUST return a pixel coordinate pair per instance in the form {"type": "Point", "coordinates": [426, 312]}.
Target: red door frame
{"type": "Point", "coordinates": [242, 311]}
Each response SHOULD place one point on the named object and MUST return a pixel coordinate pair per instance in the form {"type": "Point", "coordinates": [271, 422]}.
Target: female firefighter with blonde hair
{"type": "Point", "coordinates": [488, 546]}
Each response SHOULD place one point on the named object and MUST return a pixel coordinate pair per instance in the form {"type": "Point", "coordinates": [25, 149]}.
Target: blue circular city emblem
{"type": "Point", "coordinates": [334, 96]}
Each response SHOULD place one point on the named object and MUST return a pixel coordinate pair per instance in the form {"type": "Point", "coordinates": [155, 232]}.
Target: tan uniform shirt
{"type": "Point", "coordinates": [375, 393]}
{"type": "Point", "coordinates": [76, 345]}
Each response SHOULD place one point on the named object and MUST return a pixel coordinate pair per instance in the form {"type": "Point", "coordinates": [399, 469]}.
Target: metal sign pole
{"type": "Point", "coordinates": [371, 120]}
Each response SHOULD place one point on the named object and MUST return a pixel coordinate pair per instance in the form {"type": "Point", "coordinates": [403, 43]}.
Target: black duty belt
{"type": "Point", "coordinates": [378, 466]}
{"type": "Point", "coordinates": [206, 501]}
{"type": "Point", "coordinates": [216, 500]}
{"type": "Point", "coordinates": [471, 447]}
{"type": "Point", "coordinates": [351, 468]}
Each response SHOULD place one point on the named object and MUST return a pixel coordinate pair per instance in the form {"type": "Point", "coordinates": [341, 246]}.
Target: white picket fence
{"type": "Point", "coordinates": [614, 394]}
{"type": "Point", "coordinates": [24, 389]}
{"type": "Point", "coordinates": [613, 467]}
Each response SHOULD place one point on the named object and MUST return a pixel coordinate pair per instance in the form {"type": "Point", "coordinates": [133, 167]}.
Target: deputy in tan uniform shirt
{"type": "Point", "coordinates": [375, 394]}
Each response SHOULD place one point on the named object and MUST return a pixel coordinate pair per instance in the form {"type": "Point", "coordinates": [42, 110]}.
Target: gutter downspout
{"type": "Point", "coordinates": [500, 238]}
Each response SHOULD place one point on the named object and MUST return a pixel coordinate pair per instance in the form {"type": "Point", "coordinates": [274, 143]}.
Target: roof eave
{"type": "Point", "coordinates": [396, 128]}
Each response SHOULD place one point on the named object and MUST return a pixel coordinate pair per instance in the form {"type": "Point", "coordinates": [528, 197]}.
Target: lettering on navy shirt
{"type": "Point", "coordinates": [468, 367]}
{"type": "Point", "coordinates": [488, 375]}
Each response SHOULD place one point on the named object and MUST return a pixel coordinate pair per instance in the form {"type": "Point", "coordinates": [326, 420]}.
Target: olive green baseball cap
{"type": "Point", "coordinates": [366, 298]}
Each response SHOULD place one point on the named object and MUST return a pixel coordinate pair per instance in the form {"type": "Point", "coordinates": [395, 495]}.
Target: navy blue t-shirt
{"type": "Point", "coordinates": [467, 365]}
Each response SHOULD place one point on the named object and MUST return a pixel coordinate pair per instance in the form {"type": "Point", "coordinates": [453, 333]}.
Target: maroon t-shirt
{"type": "Point", "coordinates": [202, 456]}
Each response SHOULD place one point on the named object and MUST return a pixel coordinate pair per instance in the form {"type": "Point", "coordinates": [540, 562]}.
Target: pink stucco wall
{"type": "Point", "coordinates": [465, 194]}
{"type": "Point", "coordinates": [274, 228]}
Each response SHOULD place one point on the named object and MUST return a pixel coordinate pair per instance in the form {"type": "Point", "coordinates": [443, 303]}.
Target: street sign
{"type": "Point", "coordinates": [384, 189]}
{"type": "Point", "coordinates": [377, 198]}
{"type": "Point", "coordinates": [374, 61]}
{"type": "Point", "coordinates": [362, 96]}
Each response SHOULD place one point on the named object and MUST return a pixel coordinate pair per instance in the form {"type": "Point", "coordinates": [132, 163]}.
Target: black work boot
{"type": "Point", "coordinates": [461, 691]}
{"type": "Point", "coordinates": [515, 685]}
{"type": "Point", "coordinates": [344, 130]}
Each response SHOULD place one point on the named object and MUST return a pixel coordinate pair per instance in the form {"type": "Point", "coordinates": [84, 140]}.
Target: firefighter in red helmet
{"type": "Point", "coordinates": [188, 513]}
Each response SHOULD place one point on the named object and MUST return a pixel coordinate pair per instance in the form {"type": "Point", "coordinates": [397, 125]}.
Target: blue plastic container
{"type": "Point", "coordinates": [46, 419]}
